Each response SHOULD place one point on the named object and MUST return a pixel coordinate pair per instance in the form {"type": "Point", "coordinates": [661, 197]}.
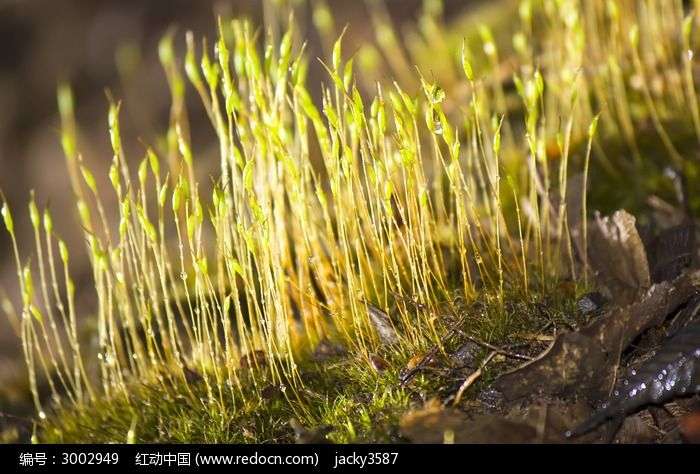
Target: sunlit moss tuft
{"type": "Point", "coordinates": [422, 195]}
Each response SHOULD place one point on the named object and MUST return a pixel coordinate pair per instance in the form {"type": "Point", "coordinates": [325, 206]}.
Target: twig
{"type": "Point", "coordinates": [452, 332]}
{"type": "Point", "coordinates": [534, 337]}
{"type": "Point", "coordinates": [428, 356]}
{"type": "Point", "coordinates": [472, 378]}
{"type": "Point", "coordinates": [24, 419]}
{"type": "Point", "coordinates": [419, 366]}
{"type": "Point", "coordinates": [498, 350]}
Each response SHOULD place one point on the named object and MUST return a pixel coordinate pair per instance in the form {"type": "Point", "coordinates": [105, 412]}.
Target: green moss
{"type": "Point", "coordinates": [441, 200]}
{"type": "Point", "coordinates": [356, 399]}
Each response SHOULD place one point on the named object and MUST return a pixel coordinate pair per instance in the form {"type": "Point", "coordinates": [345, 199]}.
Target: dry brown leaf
{"type": "Point", "coordinates": [617, 256]}
{"type": "Point", "coordinates": [673, 251]}
{"type": "Point", "coordinates": [584, 362]}
{"type": "Point", "coordinates": [381, 322]}
{"type": "Point", "coordinates": [434, 424]}
{"type": "Point", "coordinates": [540, 423]}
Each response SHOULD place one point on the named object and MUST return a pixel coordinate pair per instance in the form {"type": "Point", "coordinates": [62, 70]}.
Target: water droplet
{"type": "Point", "coordinates": [42, 415]}
{"type": "Point", "coordinates": [437, 127]}
{"type": "Point", "coordinates": [438, 94]}
{"type": "Point", "coordinates": [183, 275]}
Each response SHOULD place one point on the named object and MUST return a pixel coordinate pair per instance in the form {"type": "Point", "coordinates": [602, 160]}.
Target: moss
{"type": "Point", "coordinates": [348, 398]}
{"type": "Point", "coordinates": [443, 202]}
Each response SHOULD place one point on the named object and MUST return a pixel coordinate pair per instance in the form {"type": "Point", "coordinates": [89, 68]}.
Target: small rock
{"type": "Point", "coordinates": [590, 303]}
{"type": "Point", "coordinates": [465, 354]}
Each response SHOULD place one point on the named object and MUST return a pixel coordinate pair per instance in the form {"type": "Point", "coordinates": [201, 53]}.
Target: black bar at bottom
{"type": "Point", "coordinates": [337, 458]}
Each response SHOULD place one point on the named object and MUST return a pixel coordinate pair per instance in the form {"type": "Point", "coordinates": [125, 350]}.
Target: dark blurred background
{"type": "Point", "coordinates": [97, 46]}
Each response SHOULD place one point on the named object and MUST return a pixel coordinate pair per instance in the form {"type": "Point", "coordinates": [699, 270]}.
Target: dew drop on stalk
{"type": "Point", "coordinates": [183, 275]}
{"type": "Point", "coordinates": [42, 415]}
{"type": "Point", "coordinates": [437, 126]}
{"type": "Point", "coordinates": [438, 95]}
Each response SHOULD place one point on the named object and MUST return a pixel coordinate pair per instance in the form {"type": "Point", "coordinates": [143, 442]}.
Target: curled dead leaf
{"type": "Point", "coordinates": [617, 256]}
{"type": "Point", "coordinates": [381, 322]}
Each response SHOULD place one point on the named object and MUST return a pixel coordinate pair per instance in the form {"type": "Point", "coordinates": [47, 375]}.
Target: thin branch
{"type": "Point", "coordinates": [472, 378]}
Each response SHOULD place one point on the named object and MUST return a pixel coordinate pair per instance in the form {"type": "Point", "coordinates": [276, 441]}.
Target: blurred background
{"type": "Point", "coordinates": [99, 46]}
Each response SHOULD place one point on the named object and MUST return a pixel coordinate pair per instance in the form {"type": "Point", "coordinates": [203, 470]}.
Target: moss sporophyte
{"type": "Point", "coordinates": [355, 224]}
